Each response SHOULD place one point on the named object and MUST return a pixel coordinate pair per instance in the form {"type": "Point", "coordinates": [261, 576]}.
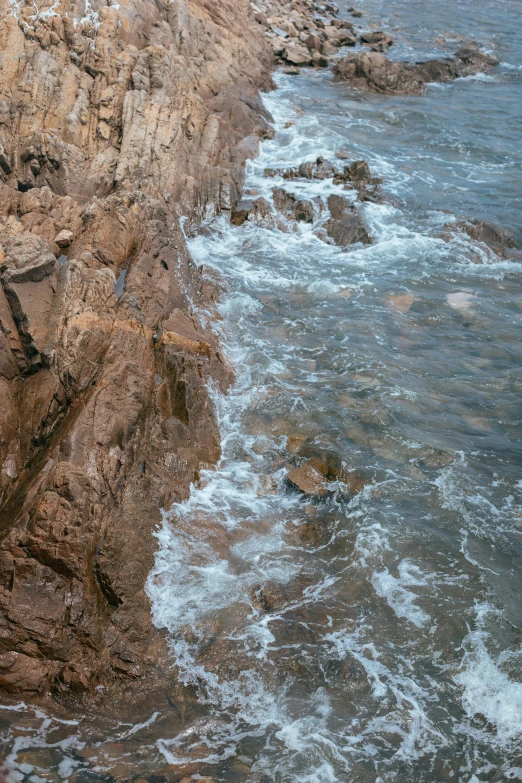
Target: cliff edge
{"type": "Point", "coordinates": [115, 121]}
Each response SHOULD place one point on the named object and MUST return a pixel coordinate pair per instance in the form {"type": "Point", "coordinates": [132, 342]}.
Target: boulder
{"type": "Point", "coordinates": [64, 238]}
{"type": "Point", "coordinates": [345, 226]}
{"type": "Point", "coordinates": [310, 479]}
{"type": "Point", "coordinates": [241, 212]}
{"type": "Point", "coordinates": [292, 207]}
{"type": "Point", "coordinates": [374, 72]}
{"type": "Point", "coordinates": [297, 55]}
{"type": "Point", "coordinates": [358, 172]}
{"type": "Point", "coordinates": [261, 210]}
{"type": "Point", "coordinates": [374, 37]}
{"type": "Point", "coordinates": [313, 42]}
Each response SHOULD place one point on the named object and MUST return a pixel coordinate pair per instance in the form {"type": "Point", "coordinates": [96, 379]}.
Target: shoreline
{"type": "Point", "coordinates": [181, 336]}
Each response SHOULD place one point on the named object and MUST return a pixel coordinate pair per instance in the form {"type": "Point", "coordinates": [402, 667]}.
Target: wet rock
{"type": "Point", "coordinates": [261, 210]}
{"type": "Point", "coordinates": [498, 239]}
{"type": "Point", "coordinates": [310, 479]}
{"type": "Point", "coordinates": [467, 61]}
{"type": "Point", "coordinates": [359, 173]}
{"type": "Point", "coordinates": [346, 227]}
{"type": "Point", "coordinates": [241, 212]}
{"type": "Point", "coordinates": [292, 207]}
{"type": "Point", "coordinates": [328, 462]}
{"type": "Point", "coordinates": [375, 72]}
{"type": "Point", "coordinates": [92, 445]}
{"type": "Point", "coordinates": [292, 70]}
{"type": "Point", "coordinates": [376, 37]}
{"type": "Point", "coordinates": [268, 597]}
{"type": "Point", "coordinates": [400, 303]}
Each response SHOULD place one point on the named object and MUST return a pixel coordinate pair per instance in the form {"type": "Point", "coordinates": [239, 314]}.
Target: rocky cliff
{"type": "Point", "coordinates": [115, 122]}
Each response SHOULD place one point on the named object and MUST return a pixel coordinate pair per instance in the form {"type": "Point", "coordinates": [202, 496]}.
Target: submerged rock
{"type": "Point", "coordinates": [310, 479]}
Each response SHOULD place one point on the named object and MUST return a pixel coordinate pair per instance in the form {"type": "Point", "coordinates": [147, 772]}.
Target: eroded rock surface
{"type": "Point", "coordinates": [114, 122]}
{"type": "Point", "coordinates": [375, 72]}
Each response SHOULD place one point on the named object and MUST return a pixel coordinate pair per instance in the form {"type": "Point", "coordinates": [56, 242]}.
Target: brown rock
{"type": "Point", "coordinates": [64, 238]}
{"type": "Point", "coordinates": [108, 136]}
{"type": "Point", "coordinates": [292, 207]}
{"type": "Point", "coordinates": [376, 37]}
{"type": "Point", "coordinates": [373, 71]}
{"type": "Point", "coordinates": [345, 227]}
{"type": "Point", "coordinates": [310, 479]}
{"type": "Point", "coordinates": [241, 212]}
{"type": "Point", "coordinates": [297, 55]}
{"type": "Point", "coordinates": [496, 238]}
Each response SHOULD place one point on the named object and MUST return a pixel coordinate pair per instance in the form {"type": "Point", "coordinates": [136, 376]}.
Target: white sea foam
{"type": "Point", "coordinates": [488, 691]}
{"type": "Point", "coordinates": [395, 591]}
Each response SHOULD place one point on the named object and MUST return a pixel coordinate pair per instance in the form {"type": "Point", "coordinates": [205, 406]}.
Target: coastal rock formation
{"type": "Point", "coordinates": [303, 32]}
{"type": "Point", "coordinates": [501, 241]}
{"type": "Point", "coordinates": [345, 226]}
{"type": "Point", "coordinates": [116, 120]}
{"type": "Point", "coordinates": [375, 72]}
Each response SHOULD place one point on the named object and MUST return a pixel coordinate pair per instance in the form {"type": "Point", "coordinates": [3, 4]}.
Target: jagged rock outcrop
{"type": "Point", "coordinates": [345, 226]}
{"type": "Point", "coordinates": [115, 121]}
{"type": "Point", "coordinates": [375, 72]}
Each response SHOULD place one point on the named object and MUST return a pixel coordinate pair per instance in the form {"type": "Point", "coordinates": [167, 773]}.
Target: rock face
{"type": "Point", "coordinates": [373, 71]}
{"type": "Point", "coordinates": [114, 122]}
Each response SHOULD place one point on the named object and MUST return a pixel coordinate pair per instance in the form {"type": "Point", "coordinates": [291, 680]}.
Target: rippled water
{"type": "Point", "coordinates": [372, 637]}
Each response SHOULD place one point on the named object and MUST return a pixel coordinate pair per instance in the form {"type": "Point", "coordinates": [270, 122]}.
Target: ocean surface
{"type": "Point", "coordinates": [373, 637]}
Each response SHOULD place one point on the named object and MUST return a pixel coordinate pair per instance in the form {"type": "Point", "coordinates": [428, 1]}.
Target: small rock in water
{"type": "Point", "coordinates": [241, 212]}
{"type": "Point", "coordinates": [376, 37]}
{"type": "Point", "coordinates": [310, 479]}
{"type": "Point", "coordinates": [292, 207]}
{"type": "Point", "coordinates": [496, 238]}
{"type": "Point", "coordinates": [342, 154]}
{"type": "Point", "coordinates": [373, 71]}
{"type": "Point", "coordinates": [401, 303]}
{"type": "Point", "coordinates": [292, 70]}
{"type": "Point", "coordinates": [345, 227]}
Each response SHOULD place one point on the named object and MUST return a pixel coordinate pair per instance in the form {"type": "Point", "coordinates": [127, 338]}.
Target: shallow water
{"type": "Point", "coordinates": [372, 637]}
